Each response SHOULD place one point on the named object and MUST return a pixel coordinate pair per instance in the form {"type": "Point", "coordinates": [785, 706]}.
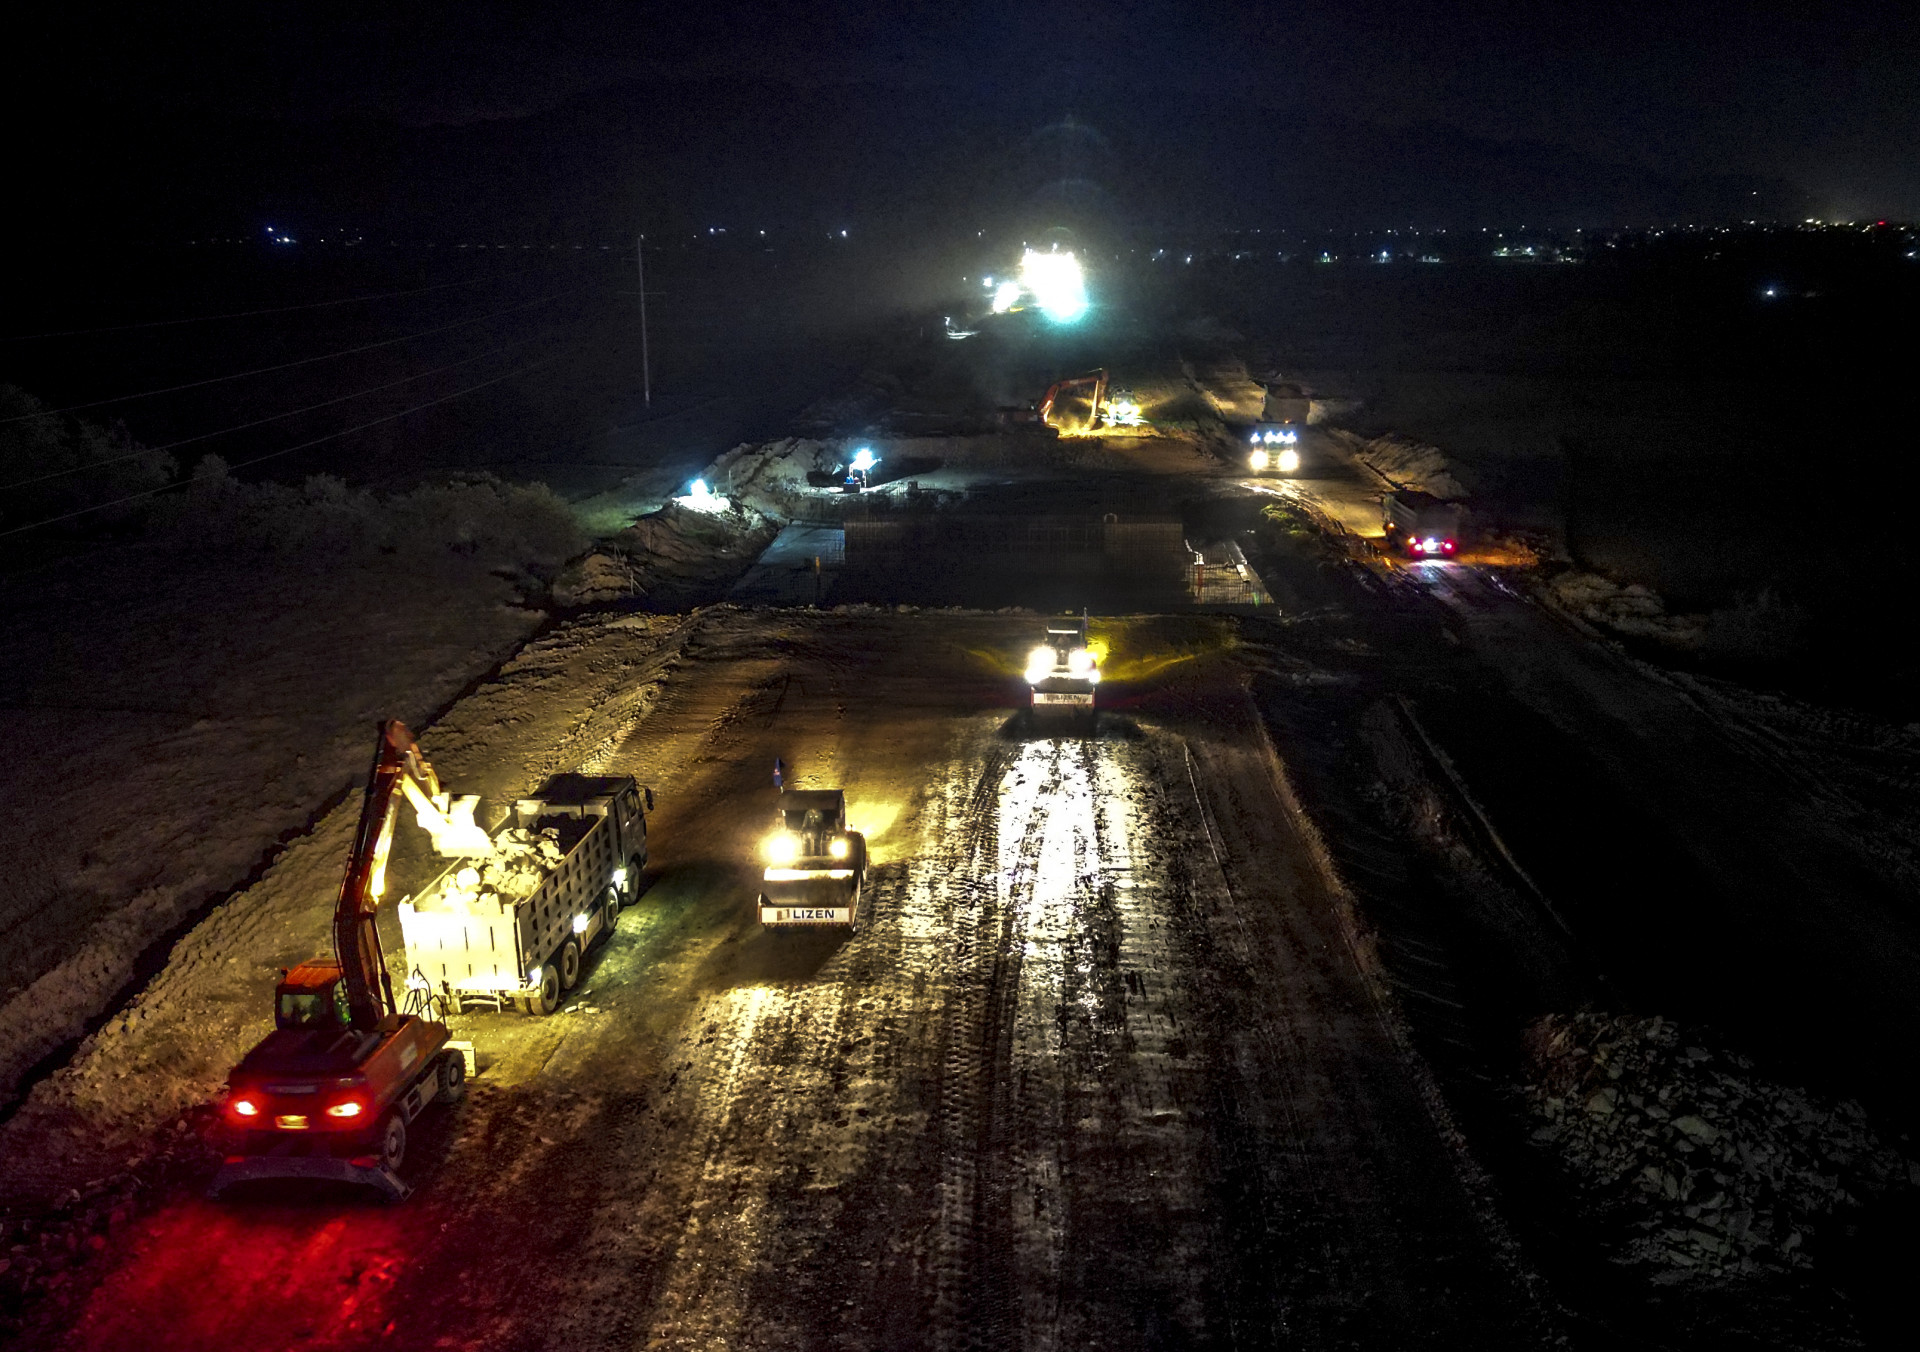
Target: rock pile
{"type": "Point", "coordinates": [1713, 1171]}
{"type": "Point", "coordinates": [520, 862]}
{"type": "Point", "coordinates": [670, 559]}
{"type": "Point", "coordinates": [1405, 462]}
{"type": "Point", "coordinates": [1633, 611]}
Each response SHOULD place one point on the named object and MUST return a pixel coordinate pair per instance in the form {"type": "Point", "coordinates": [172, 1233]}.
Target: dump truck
{"type": "Point", "coordinates": [1063, 670]}
{"type": "Point", "coordinates": [329, 1093]}
{"type": "Point", "coordinates": [1274, 442]}
{"type": "Point", "coordinates": [816, 863]}
{"type": "Point", "coordinates": [1420, 525]}
{"type": "Point", "coordinates": [512, 927]}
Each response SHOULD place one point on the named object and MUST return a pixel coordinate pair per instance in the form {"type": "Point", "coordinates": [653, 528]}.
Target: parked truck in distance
{"type": "Point", "coordinates": [816, 863]}
{"type": "Point", "coordinates": [1420, 525]}
{"type": "Point", "coordinates": [512, 927]}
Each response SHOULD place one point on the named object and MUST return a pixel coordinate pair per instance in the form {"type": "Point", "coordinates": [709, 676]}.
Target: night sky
{"type": "Point", "coordinates": [1819, 98]}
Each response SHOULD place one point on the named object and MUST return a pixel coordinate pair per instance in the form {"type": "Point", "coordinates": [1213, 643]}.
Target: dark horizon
{"type": "Point", "coordinates": [604, 117]}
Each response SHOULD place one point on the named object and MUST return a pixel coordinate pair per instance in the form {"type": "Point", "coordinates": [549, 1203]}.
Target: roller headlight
{"type": "Point", "coordinates": [783, 847]}
{"type": "Point", "coordinates": [840, 847]}
{"type": "Point", "coordinates": [1039, 665]}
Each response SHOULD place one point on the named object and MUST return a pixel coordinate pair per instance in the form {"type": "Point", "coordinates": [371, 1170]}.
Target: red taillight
{"type": "Point", "coordinates": [347, 1109]}
{"type": "Point", "coordinates": [244, 1107]}
{"type": "Point", "coordinates": [1448, 546]}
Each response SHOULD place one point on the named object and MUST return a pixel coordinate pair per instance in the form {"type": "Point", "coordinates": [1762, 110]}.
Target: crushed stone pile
{"type": "Point", "coordinates": [1406, 463]}
{"type": "Point", "coordinates": [772, 477]}
{"type": "Point", "coordinates": [1714, 1172]}
{"type": "Point", "coordinates": [673, 557]}
{"type": "Point", "coordinates": [1633, 611]}
{"type": "Point", "coordinates": [520, 862]}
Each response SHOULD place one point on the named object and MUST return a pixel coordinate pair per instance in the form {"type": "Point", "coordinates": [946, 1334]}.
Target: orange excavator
{"type": "Point", "coordinates": [1096, 381]}
{"type": "Point", "coordinates": [328, 1094]}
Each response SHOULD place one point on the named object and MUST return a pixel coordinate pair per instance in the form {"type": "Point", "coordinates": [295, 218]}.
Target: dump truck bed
{"type": "Point", "coordinates": [488, 942]}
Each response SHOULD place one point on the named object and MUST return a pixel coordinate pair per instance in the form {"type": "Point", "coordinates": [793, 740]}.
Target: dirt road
{"type": "Point", "coordinates": [1100, 1068]}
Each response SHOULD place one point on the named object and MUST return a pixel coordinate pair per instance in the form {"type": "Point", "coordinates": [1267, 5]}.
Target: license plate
{"type": "Point", "coordinates": [1043, 697]}
{"type": "Point", "coordinates": [291, 1122]}
{"type": "Point", "coordinates": [805, 915]}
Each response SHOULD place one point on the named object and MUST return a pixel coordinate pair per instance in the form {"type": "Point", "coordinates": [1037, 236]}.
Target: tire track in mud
{"type": "Point", "coordinates": [969, 1261]}
{"type": "Point", "coordinates": [1137, 1239]}
{"type": "Point", "coordinates": [1405, 1251]}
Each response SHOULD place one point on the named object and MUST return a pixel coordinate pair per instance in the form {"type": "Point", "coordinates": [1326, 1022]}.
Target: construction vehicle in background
{"type": "Point", "coordinates": [1094, 385]}
{"type": "Point", "coordinates": [816, 863]}
{"type": "Point", "coordinates": [1063, 671]}
{"type": "Point", "coordinates": [513, 928]}
{"type": "Point", "coordinates": [1420, 525]}
{"type": "Point", "coordinates": [1274, 443]}
{"type": "Point", "coordinates": [331, 1090]}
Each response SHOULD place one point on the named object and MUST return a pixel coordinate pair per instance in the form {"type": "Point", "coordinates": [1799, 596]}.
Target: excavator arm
{"type": "Point", "coordinates": [399, 769]}
{"type": "Point", "coordinates": [1096, 380]}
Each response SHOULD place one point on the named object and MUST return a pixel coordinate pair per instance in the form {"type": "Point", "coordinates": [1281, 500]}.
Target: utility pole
{"type": "Point", "coordinates": [646, 369]}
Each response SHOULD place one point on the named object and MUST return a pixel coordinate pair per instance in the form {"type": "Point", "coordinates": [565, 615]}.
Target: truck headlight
{"type": "Point", "coordinates": [783, 847]}
{"type": "Point", "coordinates": [1289, 461]}
{"type": "Point", "coordinates": [840, 847]}
{"type": "Point", "coordinates": [1258, 460]}
{"type": "Point", "coordinates": [579, 924]}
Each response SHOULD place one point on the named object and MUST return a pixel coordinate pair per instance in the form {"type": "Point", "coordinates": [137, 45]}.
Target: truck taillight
{"type": "Point", "coordinates": [348, 1109]}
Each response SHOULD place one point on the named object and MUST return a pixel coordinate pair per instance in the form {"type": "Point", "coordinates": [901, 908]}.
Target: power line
{"type": "Point", "coordinates": [287, 366]}
{"type": "Point", "coordinates": [258, 422]}
{"type": "Point", "coordinates": [289, 450]}
{"type": "Point", "coordinates": [250, 314]}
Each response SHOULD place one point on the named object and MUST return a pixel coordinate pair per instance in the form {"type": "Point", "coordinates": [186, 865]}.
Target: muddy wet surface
{"type": "Point", "coordinates": [1197, 1028]}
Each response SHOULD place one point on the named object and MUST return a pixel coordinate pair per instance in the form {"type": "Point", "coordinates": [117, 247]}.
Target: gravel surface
{"type": "Point", "coordinates": [1711, 1170]}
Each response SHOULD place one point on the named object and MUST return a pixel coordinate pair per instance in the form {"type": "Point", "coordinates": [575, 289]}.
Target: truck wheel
{"type": "Point", "coordinates": [569, 965]}
{"type": "Point", "coordinates": [453, 1078]}
{"type": "Point", "coordinates": [393, 1141]}
{"type": "Point", "coordinates": [547, 998]}
{"type": "Point", "coordinates": [612, 909]}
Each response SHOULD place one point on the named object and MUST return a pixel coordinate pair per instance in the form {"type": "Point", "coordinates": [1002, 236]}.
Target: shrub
{"type": "Point", "coordinates": [60, 465]}
{"type": "Point", "coordinates": [1755, 629]}
{"type": "Point", "coordinates": [520, 527]}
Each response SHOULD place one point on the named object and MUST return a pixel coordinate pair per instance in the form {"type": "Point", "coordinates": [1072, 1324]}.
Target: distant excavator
{"type": "Point", "coordinates": [1096, 381]}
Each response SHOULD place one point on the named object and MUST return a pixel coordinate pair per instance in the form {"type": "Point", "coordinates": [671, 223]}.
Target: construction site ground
{"type": "Point", "coordinates": [1200, 1028]}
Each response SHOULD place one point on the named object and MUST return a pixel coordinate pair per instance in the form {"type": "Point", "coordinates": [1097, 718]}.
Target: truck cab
{"type": "Point", "coordinates": [1274, 444]}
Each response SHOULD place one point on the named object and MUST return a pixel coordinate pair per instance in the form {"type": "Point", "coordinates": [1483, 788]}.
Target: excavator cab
{"type": "Point", "coordinates": [313, 996]}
